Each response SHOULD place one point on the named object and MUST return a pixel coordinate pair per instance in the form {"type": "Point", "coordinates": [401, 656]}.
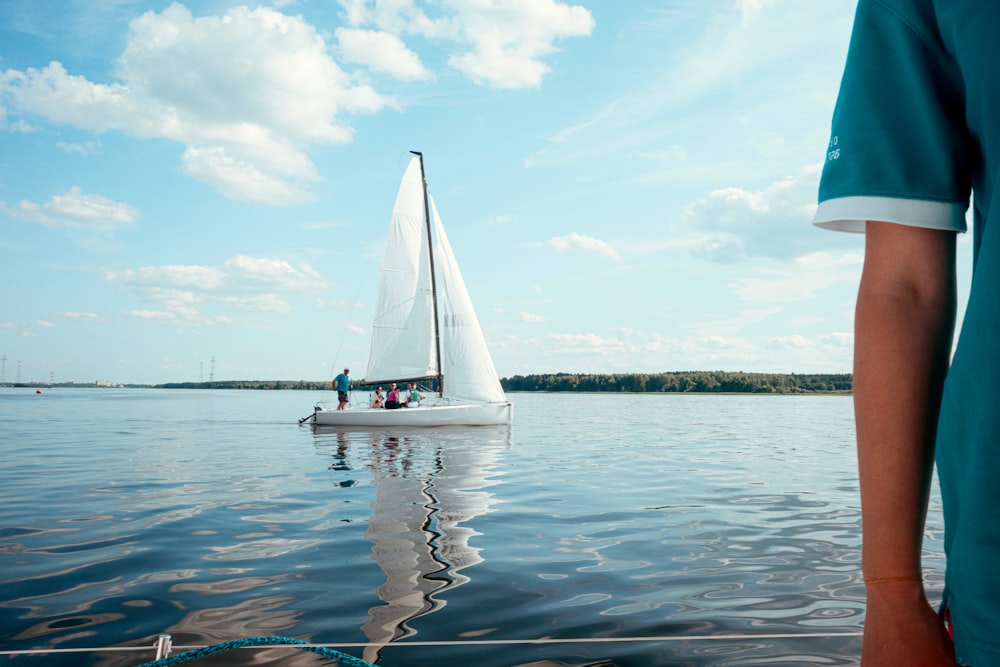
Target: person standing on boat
{"type": "Point", "coordinates": [342, 384]}
{"type": "Point", "coordinates": [915, 132]}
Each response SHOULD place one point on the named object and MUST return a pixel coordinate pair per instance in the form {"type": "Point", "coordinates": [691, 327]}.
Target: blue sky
{"type": "Point", "coordinates": [626, 185]}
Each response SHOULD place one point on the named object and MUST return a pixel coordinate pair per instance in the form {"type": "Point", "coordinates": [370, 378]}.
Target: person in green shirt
{"type": "Point", "coordinates": [915, 133]}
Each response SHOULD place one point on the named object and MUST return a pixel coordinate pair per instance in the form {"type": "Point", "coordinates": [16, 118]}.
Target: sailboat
{"type": "Point", "coordinates": [425, 328]}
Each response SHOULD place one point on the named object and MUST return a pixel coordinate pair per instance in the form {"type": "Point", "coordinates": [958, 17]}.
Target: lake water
{"type": "Point", "coordinates": [623, 530]}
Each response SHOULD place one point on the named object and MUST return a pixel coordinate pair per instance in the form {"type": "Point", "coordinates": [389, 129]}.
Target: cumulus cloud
{"type": "Point", "coordinates": [838, 339]}
{"type": "Point", "coordinates": [258, 86]}
{"type": "Point", "coordinates": [74, 209]}
{"type": "Point", "coordinates": [530, 317]}
{"type": "Point", "coordinates": [172, 276]}
{"type": "Point", "coordinates": [83, 317]}
{"type": "Point", "coordinates": [586, 341]}
{"type": "Point", "coordinates": [277, 273]}
{"type": "Point", "coordinates": [242, 282]}
{"type": "Point", "coordinates": [381, 52]}
{"type": "Point", "coordinates": [774, 222]}
{"type": "Point", "coordinates": [87, 148]}
{"type": "Point", "coordinates": [576, 241]}
{"type": "Point", "coordinates": [504, 43]}
{"type": "Point", "coordinates": [793, 341]}
{"type": "Point", "coordinates": [145, 314]}
{"type": "Point", "coordinates": [265, 303]}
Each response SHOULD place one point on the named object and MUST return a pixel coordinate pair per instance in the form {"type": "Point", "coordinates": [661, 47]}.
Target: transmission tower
{"type": "Point", "coordinates": [18, 380]}
{"type": "Point", "coordinates": [211, 374]}
{"type": "Point", "coordinates": [3, 370]}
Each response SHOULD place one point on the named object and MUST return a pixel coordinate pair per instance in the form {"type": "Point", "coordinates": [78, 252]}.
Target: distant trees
{"type": "Point", "coordinates": [684, 382]}
{"type": "Point", "coordinates": [725, 382]}
{"type": "Point", "coordinates": [247, 384]}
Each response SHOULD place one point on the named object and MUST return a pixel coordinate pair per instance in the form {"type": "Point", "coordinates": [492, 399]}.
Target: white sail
{"type": "Point", "coordinates": [466, 362]}
{"type": "Point", "coordinates": [403, 330]}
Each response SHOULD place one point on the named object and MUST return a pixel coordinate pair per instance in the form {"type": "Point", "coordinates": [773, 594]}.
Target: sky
{"type": "Point", "coordinates": [202, 190]}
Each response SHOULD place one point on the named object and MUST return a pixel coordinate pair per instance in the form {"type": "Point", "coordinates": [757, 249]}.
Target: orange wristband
{"type": "Point", "coordinates": [887, 580]}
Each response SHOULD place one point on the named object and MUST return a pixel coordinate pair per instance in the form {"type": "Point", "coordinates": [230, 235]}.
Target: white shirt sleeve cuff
{"type": "Point", "coordinates": [848, 214]}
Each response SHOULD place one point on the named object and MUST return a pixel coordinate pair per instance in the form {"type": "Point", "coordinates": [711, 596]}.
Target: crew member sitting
{"type": "Point", "coordinates": [392, 399]}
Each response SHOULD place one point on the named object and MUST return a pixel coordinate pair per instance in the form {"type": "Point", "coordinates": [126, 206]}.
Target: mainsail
{"type": "Point", "coordinates": [404, 329]}
{"type": "Point", "coordinates": [402, 344]}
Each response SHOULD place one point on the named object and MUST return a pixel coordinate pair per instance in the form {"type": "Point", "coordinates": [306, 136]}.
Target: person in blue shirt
{"type": "Point", "coordinates": [915, 133]}
{"type": "Point", "coordinates": [342, 384]}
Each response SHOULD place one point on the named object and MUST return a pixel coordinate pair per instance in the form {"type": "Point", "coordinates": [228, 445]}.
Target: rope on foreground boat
{"type": "Point", "coordinates": [163, 645]}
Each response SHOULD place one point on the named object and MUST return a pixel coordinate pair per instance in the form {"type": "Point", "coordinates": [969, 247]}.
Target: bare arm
{"type": "Point", "coordinates": [903, 332]}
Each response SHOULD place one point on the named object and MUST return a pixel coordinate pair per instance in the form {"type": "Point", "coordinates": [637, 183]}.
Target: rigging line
{"type": "Point", "coordinates": [491, 642]}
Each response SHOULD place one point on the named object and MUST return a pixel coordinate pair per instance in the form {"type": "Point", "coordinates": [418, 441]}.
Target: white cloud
{"type": "Point", "coordinates": [74, 209]}
{"type": "Point", "coordinates": [750, 7]}
{"type": "Point", "coordinates": [276, 273]}
{"type": "Point", "coordinates": [381, 52]}
{"type": "Point", "coordinates": [266, 303]}
{"type": "Point", "coordinates": [172, 276]}
{"type": "Point", "coordinates": [793, 341]}
{"type": "Point", "coordinates": [506, 41]}
{"type": "Point", "coordinates": [143, 314]}
{"type": "Point", "coordinates": [87, 148]}
{"type": "Point", "coordinates": [509, 39]}
{"type": "Point", "coordinates": [586, 341]}
{"type": "Point", "coordinates": [257, 86]}
{"type": "Point", "coordinates": [242, 282]}
{"type": "Point", "coordinates": [529, 317]}
{"type": "Point", "coordinates": [83, 317]}
{"type": "Point", "coordinates": [499, 220]}
{"type": "Point", "coordinates": [354, 328]}
{"type": "Point", "coordinates": [772, 223]}
{"type": "Point", "coordinates": [45, 324]}
{"type": "Point", "coordinates": [574, 241]}
{"type": "Point", "coordinates": [838, 339]}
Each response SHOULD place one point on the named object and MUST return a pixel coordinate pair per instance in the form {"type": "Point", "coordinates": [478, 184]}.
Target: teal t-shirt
{"type": "Point", "coordinates": [916, 131]}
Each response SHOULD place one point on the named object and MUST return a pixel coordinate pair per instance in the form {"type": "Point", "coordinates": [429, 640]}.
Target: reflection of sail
{"type": "Point", "coordinates": [426, 487]}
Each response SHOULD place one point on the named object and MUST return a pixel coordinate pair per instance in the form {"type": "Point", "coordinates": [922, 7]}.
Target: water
{"type": "Point", "coordinates": [212, 515]}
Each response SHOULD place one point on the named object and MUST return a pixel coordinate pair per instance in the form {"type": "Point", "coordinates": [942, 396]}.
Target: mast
{"type": "Point", "coordinates": [434, 299]}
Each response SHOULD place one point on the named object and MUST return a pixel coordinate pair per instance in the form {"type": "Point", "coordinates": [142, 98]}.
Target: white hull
{"type": "Point", "coordinates": [459, 414]}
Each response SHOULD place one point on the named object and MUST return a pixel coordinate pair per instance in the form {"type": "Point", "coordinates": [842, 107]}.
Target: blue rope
{"type": "Point", "coordinates": [343, 658]}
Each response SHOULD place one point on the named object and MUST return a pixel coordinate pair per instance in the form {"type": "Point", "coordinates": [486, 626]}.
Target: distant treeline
{"type": "Point", "coordinates": [675, 382]}
{"type": "Point", "coordinates": [684, 382]}
{"type": "Point", "coordinates": [247, 384]}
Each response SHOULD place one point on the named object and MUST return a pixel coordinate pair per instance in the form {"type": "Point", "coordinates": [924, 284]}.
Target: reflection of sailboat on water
{"type": "Point", "coordinates": [425, 492]}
